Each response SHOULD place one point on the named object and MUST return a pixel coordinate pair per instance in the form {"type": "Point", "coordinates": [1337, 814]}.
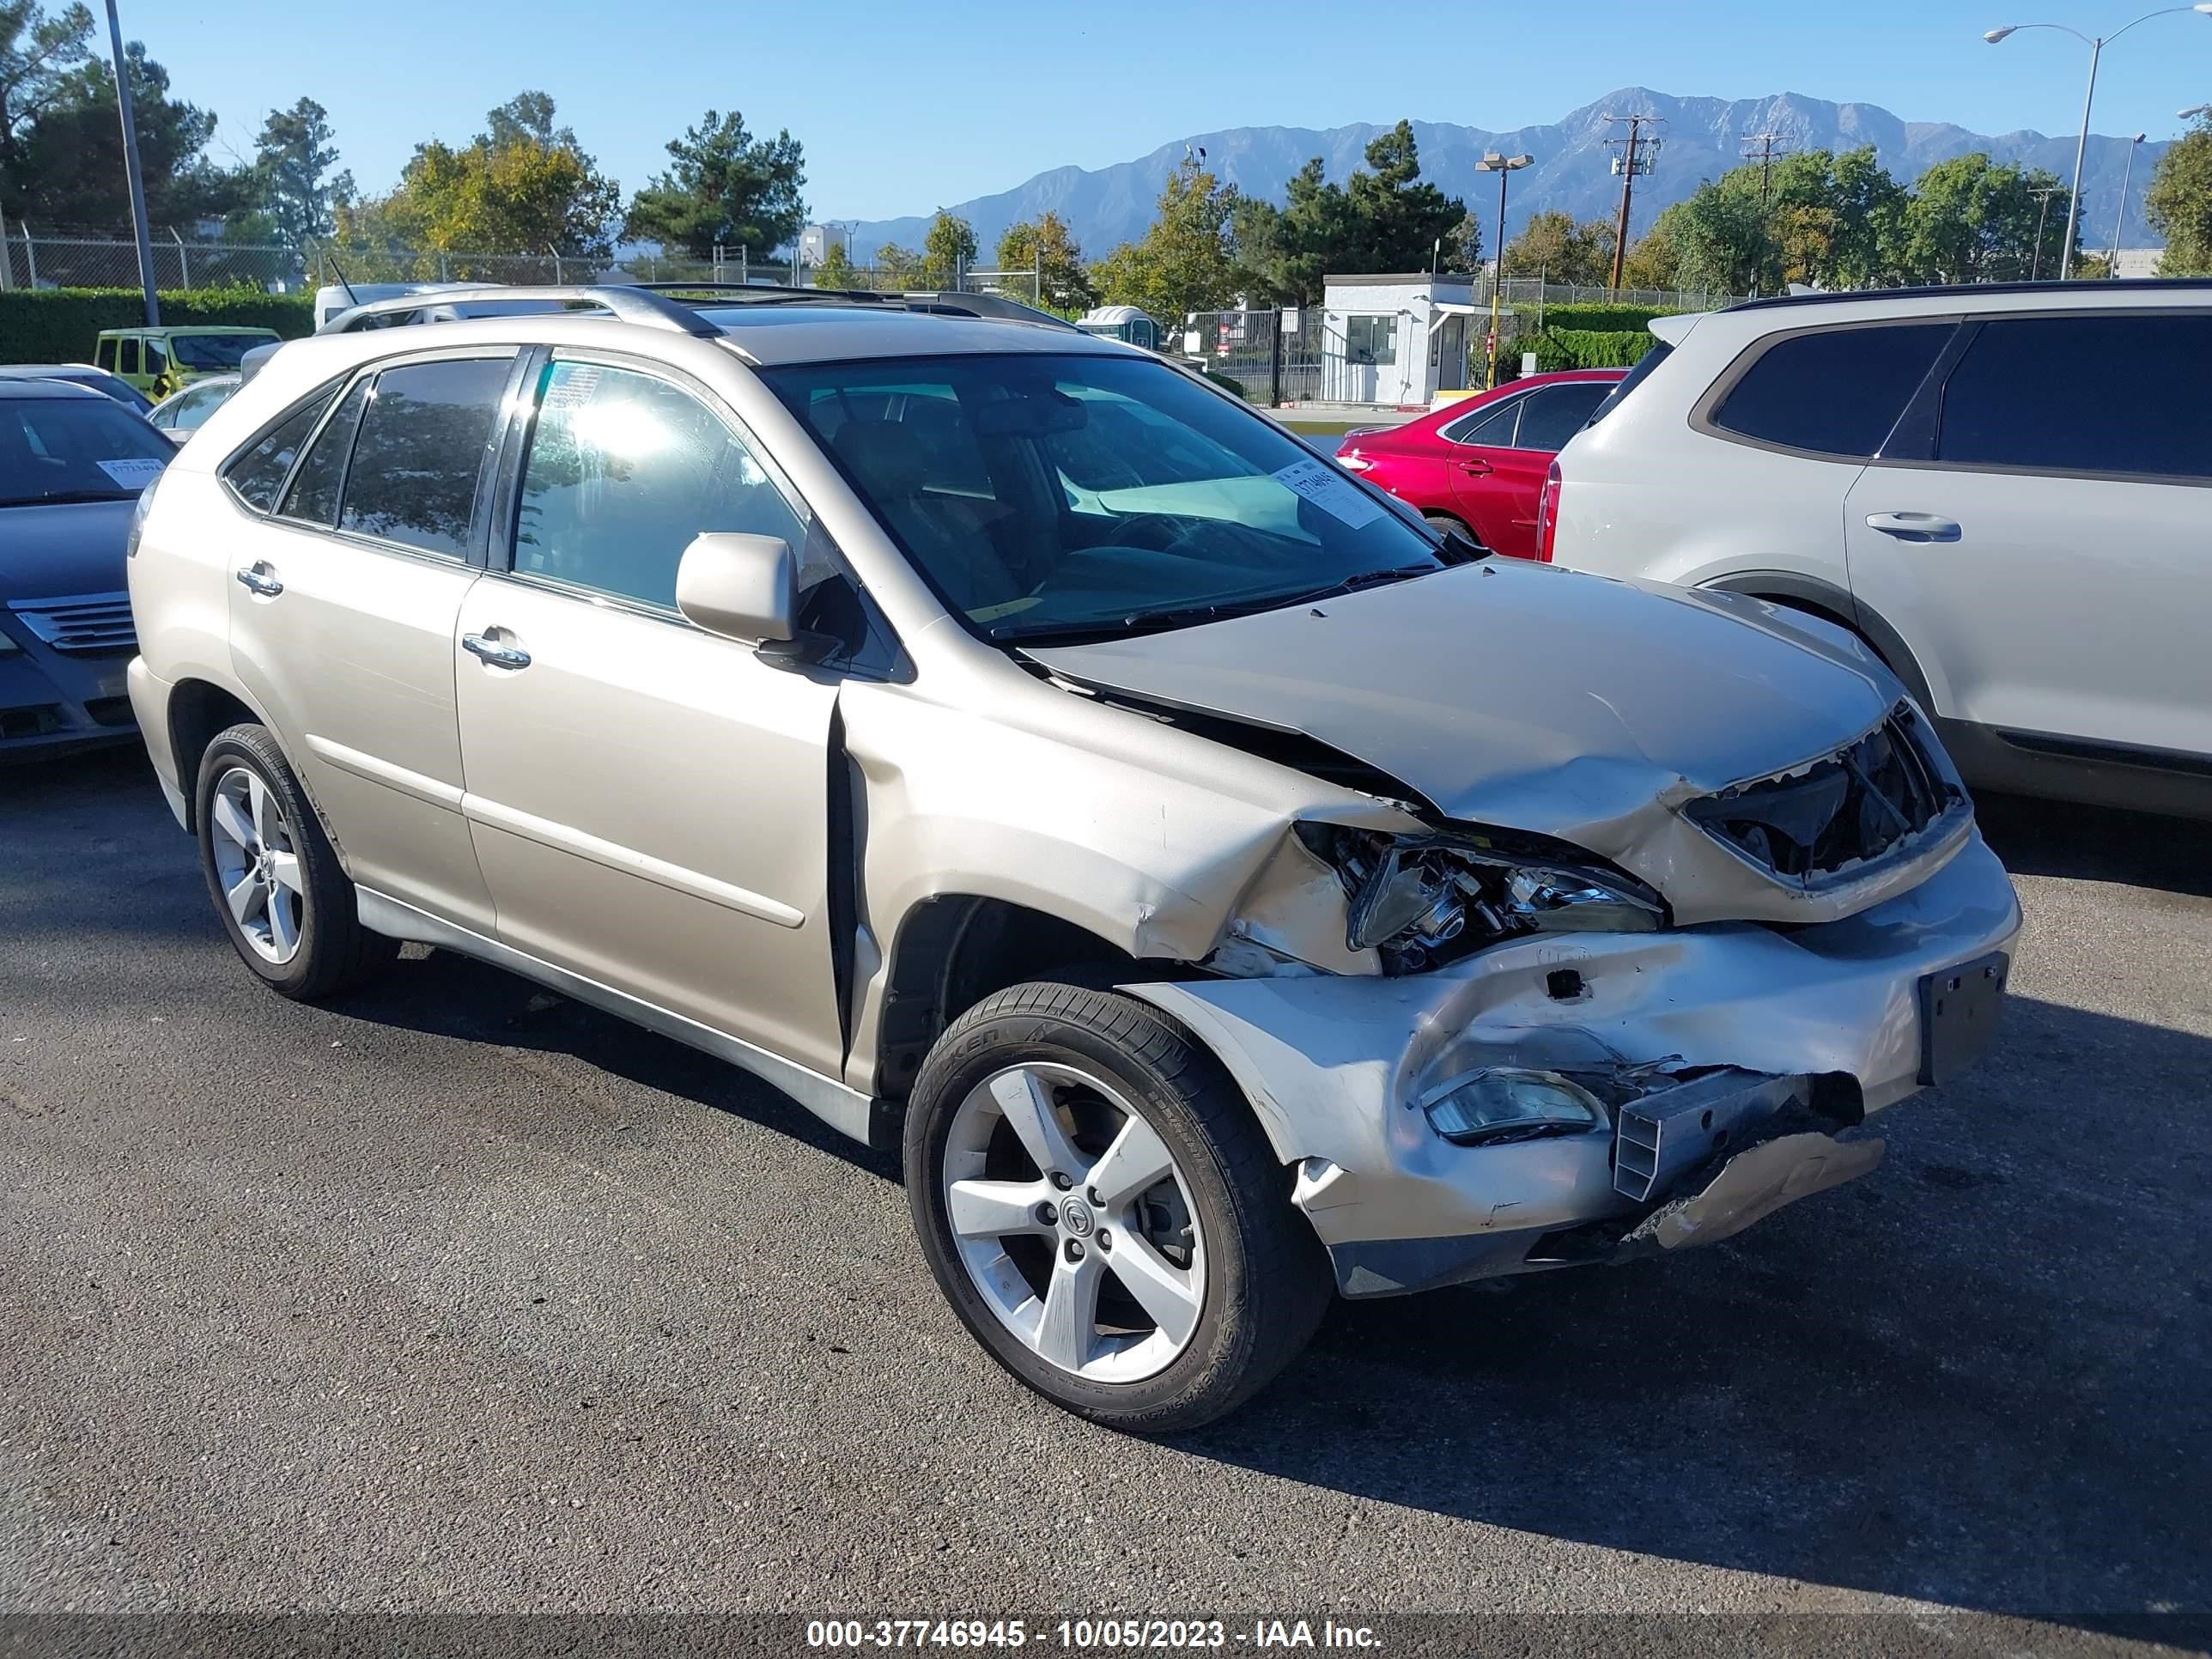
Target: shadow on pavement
{"type": "Point", "coordinates": [1980, 1376]}
{"type": "Point", "coordinates": [2093, 843]}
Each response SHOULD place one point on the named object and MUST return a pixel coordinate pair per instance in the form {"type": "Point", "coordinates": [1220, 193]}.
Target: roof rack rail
{"type": "Point", "coordinates": [1947, 290]}
{"type": "Point", "coordinates": [627, 303]}
{"type": "Point", "coordinates": [956, 302]}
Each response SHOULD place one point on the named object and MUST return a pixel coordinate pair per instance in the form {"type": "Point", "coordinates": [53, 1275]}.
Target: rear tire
{"type": "Point", "coordinates": [1127, 1095]}
{"type": "Point", "coordinates": [274, 876]}
{"type": "Point", "coordinates": [1449, 525]}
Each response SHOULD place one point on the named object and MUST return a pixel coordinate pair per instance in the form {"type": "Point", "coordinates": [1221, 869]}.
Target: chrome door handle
{"type": "Point", "coordinates": [493, 653]}
{"type": "Point", "coordinates": [261, 580]}
{"type": "Point", "coordinates": [1914, 526]}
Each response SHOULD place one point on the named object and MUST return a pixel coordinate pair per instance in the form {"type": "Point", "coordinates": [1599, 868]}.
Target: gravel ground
{"type": "Point", "coordinates": [455, 1296]}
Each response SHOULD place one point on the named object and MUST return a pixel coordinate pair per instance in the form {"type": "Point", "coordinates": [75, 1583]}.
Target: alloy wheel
{"type": "Point", "coordinates": [1074, 1223]}
{"type": "Point", "coordinates": [257, 862]}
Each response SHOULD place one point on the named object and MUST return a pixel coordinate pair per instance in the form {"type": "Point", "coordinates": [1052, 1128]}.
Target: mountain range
{"type": "Point", "coordinates": [1700, 138]}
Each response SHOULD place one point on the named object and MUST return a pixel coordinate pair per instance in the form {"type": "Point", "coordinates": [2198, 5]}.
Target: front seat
{"type": "Point", "coordinates": [949, 536]}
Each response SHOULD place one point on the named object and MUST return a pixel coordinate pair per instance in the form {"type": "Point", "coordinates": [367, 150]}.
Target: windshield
{"type": "Point", "coordinates": [214, 350]}
{"type": "Point", "coordinates": [75, 448]}
{"type": "Point", "coordinates": [1049, 496]}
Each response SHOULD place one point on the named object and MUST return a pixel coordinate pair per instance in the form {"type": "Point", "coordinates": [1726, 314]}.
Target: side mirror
{"type": "Point", "coordinates": [743, 587]}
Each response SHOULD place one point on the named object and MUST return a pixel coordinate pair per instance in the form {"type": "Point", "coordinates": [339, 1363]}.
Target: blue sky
{"type": "Point", "coordinates": [903, 107]}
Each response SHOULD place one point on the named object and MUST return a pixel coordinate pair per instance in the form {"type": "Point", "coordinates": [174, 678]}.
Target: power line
{"type": "Point", "coordinates": [1639, 153]}
{"type": "Point", "coordinates": [1771, 146]}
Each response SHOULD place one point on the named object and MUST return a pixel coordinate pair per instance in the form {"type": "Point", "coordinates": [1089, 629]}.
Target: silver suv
{"type": "Point", "coordinates": [996, 736]}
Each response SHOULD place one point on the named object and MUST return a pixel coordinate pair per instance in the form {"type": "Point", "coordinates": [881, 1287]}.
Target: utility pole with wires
{"type": "Point", "coordinates": [2043, 212]}
{"type": "Point", "coordinates": [1770, 147]}
{"type": "Point", "coordinates": [1639, 153]}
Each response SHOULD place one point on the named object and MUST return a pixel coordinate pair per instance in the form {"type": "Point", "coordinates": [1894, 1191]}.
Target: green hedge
{"type": "Point", "coordinates": [62, 325]}
{"type": "Point", "coordinates": [1608, 318]}
{"type": "Point", "coordinates": [1591, 348]}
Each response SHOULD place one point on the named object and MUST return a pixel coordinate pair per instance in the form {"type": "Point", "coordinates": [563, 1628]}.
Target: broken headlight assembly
{"type": "Point", "coordinates": [1421, 901]}
{"type": "Point", "coordinates": [1505, 1102]}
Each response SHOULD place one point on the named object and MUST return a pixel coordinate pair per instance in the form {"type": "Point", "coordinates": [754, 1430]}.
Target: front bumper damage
{"type": "Point", "coordinates": [1728, 1055]}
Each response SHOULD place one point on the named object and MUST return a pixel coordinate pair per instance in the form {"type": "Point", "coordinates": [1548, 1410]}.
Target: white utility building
{"type": "Point", "coordinates": [1395, 339]}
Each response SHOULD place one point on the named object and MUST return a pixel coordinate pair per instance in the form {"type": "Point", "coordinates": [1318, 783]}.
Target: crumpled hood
{"type": "Point", "coordinates": [1521, 696]}
{"type": "Point", "coordinates": [68, 548]}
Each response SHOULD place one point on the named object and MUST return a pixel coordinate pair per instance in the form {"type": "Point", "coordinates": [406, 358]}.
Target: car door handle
{"type": "Point", "coordinates": [1914, 526]}
{"type": "Point", "coordinates": [1474, 469]}
{"type": "Point", "coordinates": [261, 580]}
{"type": "Point", "coordinates": [494, 653]}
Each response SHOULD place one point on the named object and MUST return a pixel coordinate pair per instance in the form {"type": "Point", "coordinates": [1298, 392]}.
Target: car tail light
{"type": "Point", "coordinates": [1548, 513]}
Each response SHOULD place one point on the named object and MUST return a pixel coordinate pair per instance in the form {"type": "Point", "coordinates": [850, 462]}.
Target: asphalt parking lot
{"type": "Point", "coordinates": [453, 1296]}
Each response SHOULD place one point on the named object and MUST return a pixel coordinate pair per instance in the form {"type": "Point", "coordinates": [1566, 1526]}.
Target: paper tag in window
{"type": "Point", "coordinates": [132, 474]}
{"type": "Point", "coordinates": [1334, 495]}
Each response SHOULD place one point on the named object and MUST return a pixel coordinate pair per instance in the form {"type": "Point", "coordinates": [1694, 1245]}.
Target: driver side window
{"type": "Point", "coordinates": [623, 471]}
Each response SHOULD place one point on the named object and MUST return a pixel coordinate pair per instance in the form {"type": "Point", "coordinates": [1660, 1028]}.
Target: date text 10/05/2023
{"type": "Point", "coordinates": [1087, 1634]}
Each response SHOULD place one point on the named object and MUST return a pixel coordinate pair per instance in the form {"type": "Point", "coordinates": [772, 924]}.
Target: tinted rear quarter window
{"type": "Point", "coordinates": [1837, 391]}
{"type": "Point", "coordinates": [1635, 377]}
{"type": "Point", "coordinates": [1492, 427]}
{"type": "Point", "coordinates": [2124, 394]}
{"type": "Point", "coordinates": [313, 497]}
{"type": "Point", "coordinates": [422, 448]}
{"type": "Point", "coordinates": [259, 472]}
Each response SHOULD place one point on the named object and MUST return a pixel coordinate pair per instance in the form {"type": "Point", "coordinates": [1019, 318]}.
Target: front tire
{"type": "Point", "coordinates": [277, 886]}
{"type": "Point", "coordinates": [1100, 1206]}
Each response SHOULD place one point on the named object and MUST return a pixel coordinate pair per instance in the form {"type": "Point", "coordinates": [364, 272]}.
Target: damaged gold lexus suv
{"type": "Point", "coordinates": [1003, 741]}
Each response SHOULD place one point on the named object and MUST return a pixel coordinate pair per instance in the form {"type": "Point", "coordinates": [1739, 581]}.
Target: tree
{"type": "Point", "coordinates": [70, 164]}
{"type": "Point", "coordinates": [1553, 244]}
{"type": "Point", "coordinates": [291, 157]}
{"type": "Point", "coordinates": [835, 270]}
{"type": "Point", "coordinates": [2180, 205]}
{"type": "Point", "coordinates": [520, 188]}
{"type": "Point", "coordinates": [947, 250]}
{"type": "Point", "coordinates": [1384, 217]}
{"type": "Point", "coordinates": [727, 188]}
{"type": "Point", "coordinates": [1187, 261]}
{"type": "Point", "coordinates": [1972, 220]}
{"type": "Point", "coordinates": [896, 268]}
{"type": "Point", "coordinates": [37, 54]}
{"type": "Point", "coordinates": [1044, 245]}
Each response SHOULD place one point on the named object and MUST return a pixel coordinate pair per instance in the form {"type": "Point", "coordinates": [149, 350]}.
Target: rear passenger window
{"type": "Point", "coordinates": [2135, 397]}
{"type": "Point", "coordinates": [129, 357]}
{"type": "Point", "coordinates": [313, 497]}
{"type": "Point", "coordinates": [1837, 392]}
{"type": "Point", "coordinates": [423, 440]}
{"type": "Point", "coordinates": [624, 471]}
{"type": "Point", "coordinates": [257, 473]}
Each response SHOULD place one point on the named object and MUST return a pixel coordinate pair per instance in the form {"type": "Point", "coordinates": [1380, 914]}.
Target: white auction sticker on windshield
{"type": "Point", "coordinates": [1334, 495]}
{"type": "Point", "coordinates": [132, 474]}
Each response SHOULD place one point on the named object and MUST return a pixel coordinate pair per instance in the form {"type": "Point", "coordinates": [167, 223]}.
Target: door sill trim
{"type": "Point", "coordinates": [841, 1107]}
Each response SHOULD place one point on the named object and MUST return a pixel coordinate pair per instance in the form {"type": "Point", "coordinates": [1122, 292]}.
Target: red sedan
{"type": "Point", "coordinates": [1477, 465]}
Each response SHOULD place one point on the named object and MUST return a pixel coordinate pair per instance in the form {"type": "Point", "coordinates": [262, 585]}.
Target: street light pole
{"type": "Point", "coordinates": [2120, 214]}
{"type": "Point", "coordinates": [2096, 44]}
{"type": "Point", "coordinates": [135, 177]}
{"type": "Point", "coordinates": [1502, 166]}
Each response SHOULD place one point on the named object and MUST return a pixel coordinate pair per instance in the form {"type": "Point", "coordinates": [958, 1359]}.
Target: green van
{"type": "Point", "coordinates": [158, 361]}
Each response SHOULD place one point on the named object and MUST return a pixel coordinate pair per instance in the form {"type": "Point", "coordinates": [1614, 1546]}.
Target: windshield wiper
{"type": "Point", "coordinates": [68, 497]}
